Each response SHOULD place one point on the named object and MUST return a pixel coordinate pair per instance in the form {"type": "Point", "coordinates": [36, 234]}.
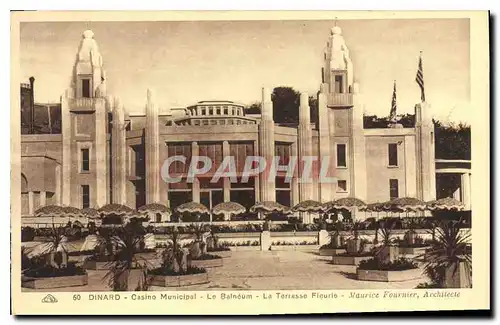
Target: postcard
{"type": "Point", "coordinates": [249, 163]}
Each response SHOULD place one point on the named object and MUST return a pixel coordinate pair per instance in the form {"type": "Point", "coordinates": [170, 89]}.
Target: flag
{"type": "Point", "coordinates": [420, 78]}
{"type": "Point", "coordinates": [394, 107]}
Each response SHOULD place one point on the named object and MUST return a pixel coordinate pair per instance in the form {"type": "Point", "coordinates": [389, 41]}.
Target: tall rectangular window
{"type": "Point", "coordinates": [393, 189]}
{"type": "Point", "coordinates": [339, 85]}
{"type": "Point", "coordinates": [86, 88]}
{"type": "Point", "coordinates": [393, 154]}
{"type": "Point", "coordinates": [85, 160]}
{"type": "Point", "coordinates": [85, 196]}
{"type": "Point", "coordinates": [341, 155]}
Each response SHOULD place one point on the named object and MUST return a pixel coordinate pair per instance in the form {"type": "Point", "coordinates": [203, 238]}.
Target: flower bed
{"type": "Point", "coordinates": [412, 250]}
{"type": "Point", "coordinates": [163, 277]}
{"type": "Point", "coordinates": [350, 259]}
{"type": "Point", "coordinates": [220, 251]}
{"type": "Point", "coordinates": [400, 264]}
{"type": "Point", "coordinates": [388, 276]}
{"type": "Point", "coordinates": [47, 277]}
{"type": "Point", "coordinates": [330, 251]}
{"type": "Point", "coordinates": [55, 282]}
{"type": "Point", "coordinates": [207, 260]}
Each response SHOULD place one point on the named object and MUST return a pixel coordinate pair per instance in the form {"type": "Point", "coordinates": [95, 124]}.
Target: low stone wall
{"type": "Point", "coordinates": [388, 276]}
{"type": "Point", "coordinates": [290, 238]}
{"type": "Point", "coordinates": [55, 282]}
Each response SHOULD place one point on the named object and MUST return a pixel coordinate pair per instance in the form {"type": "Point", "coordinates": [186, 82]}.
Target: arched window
{"type": "Point", "coordinates": [24, 184]}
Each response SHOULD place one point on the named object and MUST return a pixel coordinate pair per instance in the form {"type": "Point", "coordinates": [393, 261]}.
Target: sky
{"type": "Point", "coordinates": [186, 62]}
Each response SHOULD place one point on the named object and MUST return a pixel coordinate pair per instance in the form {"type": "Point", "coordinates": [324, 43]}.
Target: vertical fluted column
{"type": "Point", "coordinates": [152, 154]}
{"type": "Point", "coordinates": [101, 152]}
{"type": "Point", "coordinates": [195, 151]}
{"type": "Point", "coordinates": [325, 189]}
{"type": "Point", "coordinates": [226, 181]}
{"type": "Point", "coordinates": [305, 148]}
{"type": "Point", "coordinates": [358, 150]}
{"type": "Point", "coordinates": [119, 158]}
{"type": "Point", "coordinates": [66, 132]}
{"type": "Point", "coordinates": [266, 147]}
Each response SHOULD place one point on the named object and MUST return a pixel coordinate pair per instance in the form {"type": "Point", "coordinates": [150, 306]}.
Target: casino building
{"type": "Point", "coordinates": [99, 154]}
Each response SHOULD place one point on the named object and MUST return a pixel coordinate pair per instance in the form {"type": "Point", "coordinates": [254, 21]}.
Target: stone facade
{"type": "Point", "coordinates": [104, 155]}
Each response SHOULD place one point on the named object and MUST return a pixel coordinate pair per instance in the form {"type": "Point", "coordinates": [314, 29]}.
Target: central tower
{"type": "Point", "coordinates": [341, 135]}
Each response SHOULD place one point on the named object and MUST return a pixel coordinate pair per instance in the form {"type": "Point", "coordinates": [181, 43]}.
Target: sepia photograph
{"type": "Point", "coordinates": [219, 158]}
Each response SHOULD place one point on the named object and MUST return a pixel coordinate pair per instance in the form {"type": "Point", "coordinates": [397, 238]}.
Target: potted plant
{"type": "Point", "coordinates": [354, 242]}
{"type": "Point", "coordinates": [411, 224]}
{"type": "Point", "coordinates": [176, 266]}
{"type": "Point", "coordinates": [47, 263]}
{"type": "Point", "coordinates": [448, 261]}
{"type": "Point", "coordinates": [388, 252]}
{"type": "Point", "coordinates": [127, 242]}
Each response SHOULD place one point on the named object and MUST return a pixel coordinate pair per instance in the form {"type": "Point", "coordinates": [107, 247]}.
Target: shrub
{"type": "Point", "coordinates": [170, 272]}
{"type": "Point", "coordinates": [46, 271]}
{"type": "Point", "coordinates": [219, 248]}
{"type": "Point", "coordinates": [330, 245]}
{"type": "Point", "coordinates": [27, 234]}
{"type": "Point", "coordinates": [427, 285]}
{"type": "Point", "coordinates": [207, 257]}
{"type": "Point", "coordinates": [400, 264]}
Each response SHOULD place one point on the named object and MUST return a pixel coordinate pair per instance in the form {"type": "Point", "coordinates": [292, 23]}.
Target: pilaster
{"type": "Point", "coordinates": [305, 148]}
{"type": "Point", "coordinates": [151, 150]}
{"type": "Point", "coordinates": [66, 132]}
{"type": "Point", "coordinates": [195, 151]}
{"type": "Point", "coordinates": [266, 147]}
{"type": "Point", "coordinates": [358, 149]}
{"type": "Point", "coordinates": [119, 158]}
{"type": "Point", "coordinates": [101, 152]}
{"type": "Point", "coordinates": [325, 156]}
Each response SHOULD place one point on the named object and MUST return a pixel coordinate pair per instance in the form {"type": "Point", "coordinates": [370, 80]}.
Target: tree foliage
{"type": "Point", "coordinates": [452, 141]}
{"type": "Point", "coordinates": [286, 103]}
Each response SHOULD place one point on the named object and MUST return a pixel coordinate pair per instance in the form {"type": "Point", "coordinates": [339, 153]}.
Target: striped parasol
{"type": "Point", "coordinates": [270, 207]}
{"type": "Point", "coordinates": [72, 211]}
{"type": "Point", "coordinates": [228, 209]}
{"type": "Point", "coordinates": [346, 203]}
{"type": "Point", "coordinates": [50, 211]}
{"type": "Point", "coordinates": [308, 206]}
{"type": "Point", "coordinates": [375, 207]}
{"type": "Point", "coordinates": [154, 208]}
{"type": "Point", "coordinates": [151, 210]}
{"type": "Point", "coordinates": [192, 208]}
{"type": "Point", "coordinates": [90, 213]}
{"type": "Point", "coordinates": [115, 209]}
{"type": "Point", "coordinates": [445, 204]}
{"type": "Point", "coordinates": [405, 204]}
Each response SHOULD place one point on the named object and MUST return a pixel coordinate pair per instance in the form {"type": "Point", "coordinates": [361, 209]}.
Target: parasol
{"type": "Point", "coordinates": [445, 204]}
{"type": "Point", "coordinates": [228, 209]}
{"type": "Point", "coordinates": [152, 210]}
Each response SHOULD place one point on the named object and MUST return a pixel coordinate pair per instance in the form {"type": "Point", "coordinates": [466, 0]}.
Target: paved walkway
{"type": "Point", "coordinates": [272, 270]}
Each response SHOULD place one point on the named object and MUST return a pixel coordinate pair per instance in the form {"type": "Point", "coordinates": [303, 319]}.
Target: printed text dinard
{"type": "Point", "coordinates": [386, 294]}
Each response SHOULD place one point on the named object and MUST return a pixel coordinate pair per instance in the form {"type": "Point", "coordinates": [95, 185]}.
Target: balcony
{"type": "Point", "coordinates": [340, 100]}
{"type": "Point", "coordinates": [83, 104]}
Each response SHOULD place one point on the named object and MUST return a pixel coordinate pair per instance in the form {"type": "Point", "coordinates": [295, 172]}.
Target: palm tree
{"type": "Point", "coordinates": [56, 244]}
{"type": "Point", "coordinates": [387, 251]}
{"type": "Point", "coordinates": [174, 257]}
{"type": "Point", "coordinates": [128, 241]}
{"type": "Point", "coordinates": [411, 224]}
{"type": "Point", "coordinates": [448, 262]}
{"type": "Point", "coordinates": [199, 246]}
